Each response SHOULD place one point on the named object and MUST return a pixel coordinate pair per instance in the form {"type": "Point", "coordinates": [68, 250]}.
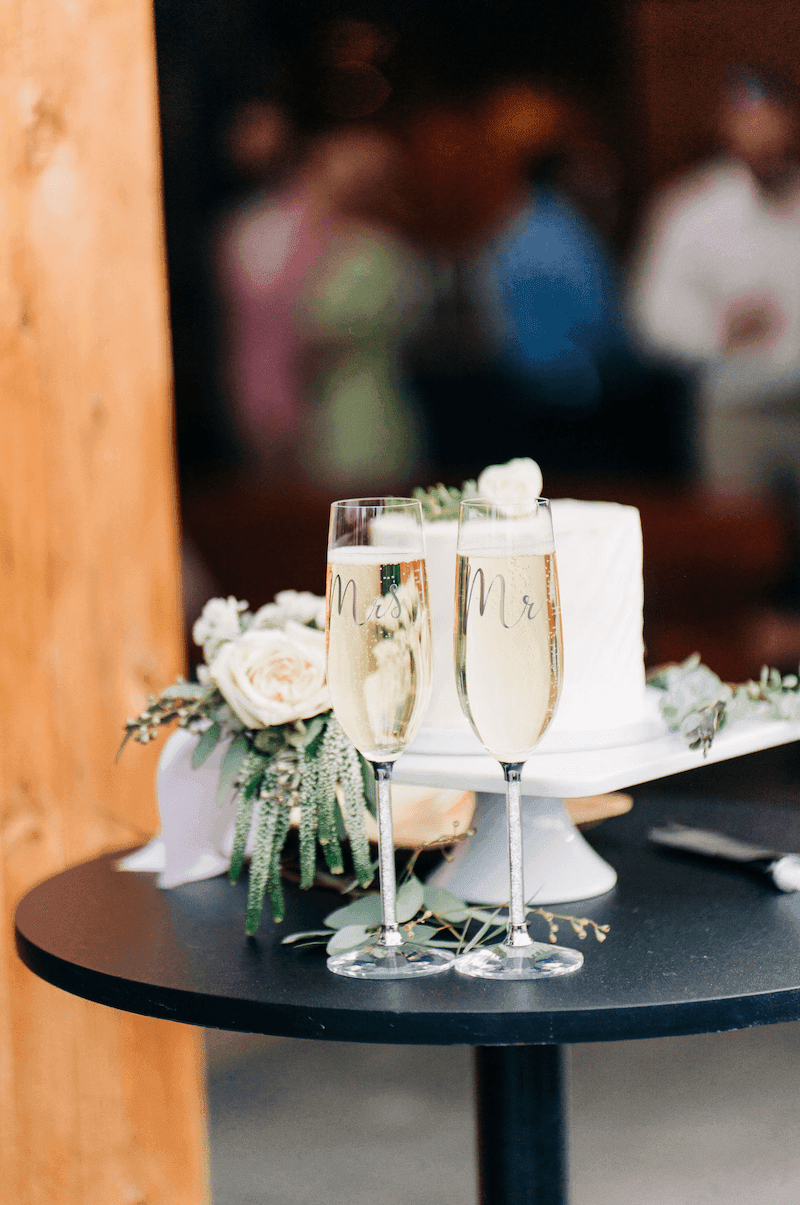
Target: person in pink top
{"type": "Point", "coordinates": [319, 292]}
{"type": "Point", "coordinates": [267, 250]}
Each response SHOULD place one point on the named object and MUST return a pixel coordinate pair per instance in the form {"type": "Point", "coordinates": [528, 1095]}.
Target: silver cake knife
{"type": "Point", "coordinates": [782, 868]}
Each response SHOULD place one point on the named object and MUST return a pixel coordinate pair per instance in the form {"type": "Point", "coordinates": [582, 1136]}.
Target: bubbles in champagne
{"type": "Point", "coordinates": [379, 647]}
{"type": "Point", "coordinates": [508, 648]}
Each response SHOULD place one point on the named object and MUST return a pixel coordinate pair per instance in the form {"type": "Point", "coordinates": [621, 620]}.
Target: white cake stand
{"type": "Point", "coordinates": [560, 865]}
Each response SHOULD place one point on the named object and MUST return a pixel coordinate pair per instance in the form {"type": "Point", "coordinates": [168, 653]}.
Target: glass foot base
{"type": "Point", "coordinates": [536, 961]}
{"type": "Point", "coordinates": [375, 961]}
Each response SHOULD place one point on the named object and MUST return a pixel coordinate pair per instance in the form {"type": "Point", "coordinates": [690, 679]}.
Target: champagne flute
{"type": "Point", "coordinates": [379, 676]}
{"type": "Point", "coordinates": [508, 665]}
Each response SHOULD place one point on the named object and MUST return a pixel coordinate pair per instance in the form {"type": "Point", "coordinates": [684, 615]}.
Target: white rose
{"type": "Point", "coordinates": [302, 606]}
{"type": "Point", "coordinates": [218, 623]}
{"type": "Point", "coordinates": [271, 677]}
{"type": "Point", "coordinates": [518, 481]}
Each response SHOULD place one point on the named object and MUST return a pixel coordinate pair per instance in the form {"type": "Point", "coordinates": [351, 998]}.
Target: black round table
{"type": "Point", "coordinates": [695, 946]}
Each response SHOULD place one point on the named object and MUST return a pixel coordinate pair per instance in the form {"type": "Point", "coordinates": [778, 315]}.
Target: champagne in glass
{"type": "Point", "coordinates": [508, 665]}
{"type": "Point", "coordinates": [379, 677]}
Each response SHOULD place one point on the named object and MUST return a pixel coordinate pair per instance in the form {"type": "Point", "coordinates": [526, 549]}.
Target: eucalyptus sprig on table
{"type": "Point", "coordinates": [430, 916]}
{"type": "Point", "coordinates": [698, 704]}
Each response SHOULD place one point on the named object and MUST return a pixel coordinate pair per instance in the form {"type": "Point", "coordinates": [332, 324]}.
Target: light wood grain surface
{"type": "Point", "coordinates": [98, 1107]}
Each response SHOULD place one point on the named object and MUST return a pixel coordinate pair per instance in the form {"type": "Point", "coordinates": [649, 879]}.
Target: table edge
{"type": "Point", "coordinates": [416, 1029]}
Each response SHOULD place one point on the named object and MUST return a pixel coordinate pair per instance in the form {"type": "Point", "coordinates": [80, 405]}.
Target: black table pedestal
{"type": "Point", "coordinates": [521, 1130]}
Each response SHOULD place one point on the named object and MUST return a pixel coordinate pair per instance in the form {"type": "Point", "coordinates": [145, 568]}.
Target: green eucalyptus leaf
{"type": "Point", "coordinates": [366, 911]}
{"type": "Point", "coordinates": [315, 727]}
{"type": "Point", "coordinates": [206, 745]}
{"type": "Point", "coordinates": [481, 914]}
{"type": "Point", "coordinates": [347, 939]}
{"type": "Point", "coordinates": [221, 714]}
{"type": "Point", "coordinates": [268, 740]}
{"type": "Point", "coordinates": [410, 898]}
{"type": "Point", "coordinates": [310, 937]}
{"type": "Point", "coordinates": [231, 765]}
{"type": "Point", "coordinates": [658, 678]}
{"type": "Point", "coordinates": [444, 904]}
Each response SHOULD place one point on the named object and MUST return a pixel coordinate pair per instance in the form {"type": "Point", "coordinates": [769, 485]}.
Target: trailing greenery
{"type": "Point", "coordinates": [698, 704]}
{"type": "Point", "coordinates": [431, 916]}
{"type": "Point", "coordinates": [311, 766]}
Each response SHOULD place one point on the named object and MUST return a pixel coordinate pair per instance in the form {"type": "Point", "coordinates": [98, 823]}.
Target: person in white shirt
{"type": "Point", "coordinates": [717, 288]}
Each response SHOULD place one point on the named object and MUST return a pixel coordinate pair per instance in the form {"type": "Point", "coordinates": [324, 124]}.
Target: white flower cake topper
{"type": "Point", "coordinates": [518, 481]}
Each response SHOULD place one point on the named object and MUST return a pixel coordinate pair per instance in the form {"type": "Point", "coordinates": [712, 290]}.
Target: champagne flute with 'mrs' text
{"type": "Point", "coordinates": [508, 663]}
{"type": "Point", "coordinates": [379, 677]}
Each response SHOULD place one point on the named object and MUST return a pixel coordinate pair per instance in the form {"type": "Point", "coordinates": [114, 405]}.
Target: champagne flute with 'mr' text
{"type": "Point", "coordinates": [379, 676]}
{"type": "Point", "coordinates": [508, 663]}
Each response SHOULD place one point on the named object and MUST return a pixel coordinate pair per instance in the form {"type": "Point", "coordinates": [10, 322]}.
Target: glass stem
{"type": "Point", "coordinates": [390, 932]}
{"type": "Point", "coordinates": [517, 934]}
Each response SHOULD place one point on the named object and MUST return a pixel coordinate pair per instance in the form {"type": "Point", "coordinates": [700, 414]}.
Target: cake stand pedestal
{"type": "Point", "coordinates": [559, 864]}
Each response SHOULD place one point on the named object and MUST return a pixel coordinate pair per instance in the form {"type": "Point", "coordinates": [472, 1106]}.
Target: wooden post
{"type": "Point", "coordinates": [98, 1107]}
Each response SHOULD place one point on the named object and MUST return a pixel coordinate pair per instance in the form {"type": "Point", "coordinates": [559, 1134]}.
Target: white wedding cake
{"type": "Point", "coordinates": [604, 701]}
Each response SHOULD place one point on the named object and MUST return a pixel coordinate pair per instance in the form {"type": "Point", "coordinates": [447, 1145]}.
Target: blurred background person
{"type": "Point", "coordinates": [365, 293]}
{"type": "Point", "coordinates": [548, 285]}
{"type": "Point", "coordinates": [717, 287]}
{"type": "Point", "coordinates": [266, 247]}
{"type": "Point", "coordinates": [319, 288]}
{"type": "Point", "coordinates": [529, 327]}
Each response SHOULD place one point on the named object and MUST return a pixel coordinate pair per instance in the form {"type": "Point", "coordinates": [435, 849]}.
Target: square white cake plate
{"type": "Point", "coordinates": [560, 865]}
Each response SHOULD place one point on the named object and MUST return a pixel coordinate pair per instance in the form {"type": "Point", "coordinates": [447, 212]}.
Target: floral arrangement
{"type": "Point", "coordinates": [697, 703]}
{"type": "Point", "coordinates": [263, 690]}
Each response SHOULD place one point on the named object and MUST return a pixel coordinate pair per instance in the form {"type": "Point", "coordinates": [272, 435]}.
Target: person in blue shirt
{"type": "Point", "coordinates": [546, 367]}
{"type": "Point", "coordinates": [549, 290]}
